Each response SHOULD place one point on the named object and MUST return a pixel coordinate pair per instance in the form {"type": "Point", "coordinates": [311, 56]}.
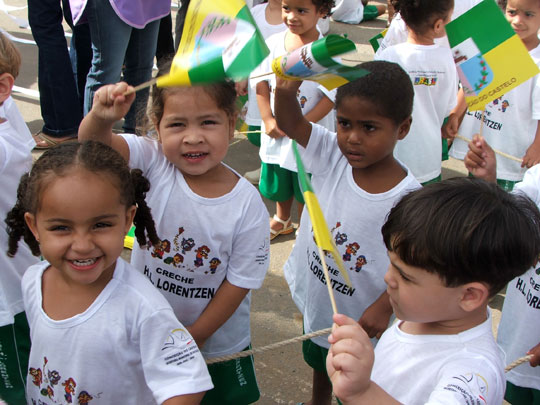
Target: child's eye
{"type": "Point", "coordinates": [58, 228]}
{"type": "Point", "coordinates": [529, 14]}
{"type": "Point", "coordinates": [100, 225]}
{"type": "Point", "coordinates": [343, 123]}
{"type": "Point", "coordinates": [510, 11]}
{"type": "Point", "coordinates": [209, 122]}
{"type": "Point", "coordinates": [175, 124]}
{"type": "Point", "coordinates": [369, 127]}
{"type": "Point", "coordinates": [404, 277]}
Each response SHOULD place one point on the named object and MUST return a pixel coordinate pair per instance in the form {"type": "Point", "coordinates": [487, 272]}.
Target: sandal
{"type": "Point", "coordinates": [287, 227]}
{"type": "Point", "coordinates": [44, 141]}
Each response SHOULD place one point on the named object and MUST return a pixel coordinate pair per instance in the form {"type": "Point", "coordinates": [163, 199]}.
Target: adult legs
{"type": "Point", "coordinates": [58, 93]}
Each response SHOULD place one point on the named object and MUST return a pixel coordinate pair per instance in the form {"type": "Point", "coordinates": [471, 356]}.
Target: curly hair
{"type": "Point", "coordinates": [420, 15]}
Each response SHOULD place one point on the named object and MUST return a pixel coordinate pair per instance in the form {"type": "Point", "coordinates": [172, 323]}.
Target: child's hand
{"type": "Point", "coordinates": [241, 87]}
{"type": "Point", "coordinates": [350, 359]}
{"type": "Point", "coordinates": [272, 130]}
{"type": "Point", "coordinates": [289, 85]}
{"type": "Point", "coordinates": [376, 317]}
{"type": "Point", "coordinates": [535, 351]}
{"type": "Point", "coordinates": [450, 129]}
{"type": "Point", "coordinates": [532, 156]}
{"type": "Point", "coordinates": [110, 103]}
{"type": "Point", "coordinates": [480, 159]}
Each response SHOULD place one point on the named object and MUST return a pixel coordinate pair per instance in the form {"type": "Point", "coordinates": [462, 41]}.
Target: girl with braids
{"type": "Point", "coordinates": [99, 330]}
{"type": "Point", "coordinates": [213, 225]}
{"type": "Point", "coordinates": [433, 73]}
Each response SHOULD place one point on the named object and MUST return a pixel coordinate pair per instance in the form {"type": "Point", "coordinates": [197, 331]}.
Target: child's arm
{"type": "Point", "coordinates": [110, 105]}
{"type": "Point", "coordinates": [188, 399]}
{"type": "Point", "coordinates": [532, 156]}
{"type": "Point", "coordinates": [288, 113]}
{"type": "Point", "coordinates": [349, 364]}
{"type": "Point", "coordinates": [480, 159]}
{"type": "Point", "coordinates": [263, 101]}
{"type": "Point", "coordinates": [376, 317]}
{"type": "Point", "coordinates": [450, 129]}
{"type": "Point", "coordinates": [535, 351]}
{"type": "Point", "coordinates": [320, 110]}
{"type": "Point", "coordinates": [227, 299]}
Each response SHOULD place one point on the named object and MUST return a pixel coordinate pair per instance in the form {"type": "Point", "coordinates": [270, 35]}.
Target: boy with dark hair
{"type": "Point", "coordinates": [452, 246]}
{"type": "Point", "coordinates": [357, 180]}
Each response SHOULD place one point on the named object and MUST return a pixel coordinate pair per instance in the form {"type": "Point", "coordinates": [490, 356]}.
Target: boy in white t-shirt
{"type": "Point", "coordinates": [16, 145]}
{"type": "Point", "coordinates": [434, 76]}
{"type": "Point", "coordinates": [511, 122]}
{"type": "Point", "coordinates": [519, 332]}
{"type": "Point", "coordinates": [357, 180]}
{"type": "Point", "coordinates": [452, 246]}
{"type": "Point", "coordinates": [277, 182]}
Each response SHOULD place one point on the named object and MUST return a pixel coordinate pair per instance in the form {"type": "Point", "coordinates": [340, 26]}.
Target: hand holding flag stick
{"type": "Point", "coordinates": [323, 237]}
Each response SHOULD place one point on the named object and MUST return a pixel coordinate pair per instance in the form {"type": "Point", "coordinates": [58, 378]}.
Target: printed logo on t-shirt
{"type": "Point", "coordinates": [425, 81]}
{"type": "Point", "coordinates": [54, 388]}
{"type": "Point", "coordinates": [471, 387]}
{"type": "Point", "coordinates": [530, 289]}
{"type": "Point", "coordinates": [500, 104]}
{"type": "Point", "coordinates": [184, 253]}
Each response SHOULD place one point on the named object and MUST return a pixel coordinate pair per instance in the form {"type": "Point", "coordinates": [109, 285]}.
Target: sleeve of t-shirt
{"type": "Point", "coordinates": [536, 99]}
{"type": "Point", "coordinates": [322, 147]}
{"type": "Point", "coordinates": [171, 360]}
{"type": "Point", "coordinates": [144, 153]}
{"type": "Point", "coordinates": [250, 254]}
{"type": "Point", "coordinates": [530, 185]}
{"type": "Point", "coordinates": [468, 382]}
{"type": "Point", "coordinates": [453, 88]}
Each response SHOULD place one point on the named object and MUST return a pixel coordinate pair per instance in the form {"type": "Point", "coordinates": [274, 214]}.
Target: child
{"type": "Point", "coordinates": [517, 333]}
{"type": "Point", "coordinates": [511, 121]}
{"type": "Point", "coordinates": [16, 145]}
{"type": "Point", "coordinates": [357, 185]}
{"type": "Point", "coordinates": [278, 183]}
{"type": "Point", "coordinates": [356, 11]}
{"type": "Point", "coordinates": [433, 73]}
{"type": "Point", "coordinates": [213, 224]}
{"type": "Point", "coordinates": [99, 330]}
{"type": "Point", "coordinates": [452, 246]}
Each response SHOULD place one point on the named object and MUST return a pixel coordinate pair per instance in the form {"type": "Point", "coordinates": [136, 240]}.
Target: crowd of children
{"type": "Point", "coordinates": [84, 326]}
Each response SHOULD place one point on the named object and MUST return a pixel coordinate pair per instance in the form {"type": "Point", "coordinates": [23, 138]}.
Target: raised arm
{"type": "Point", "coordinates": [288, 113]}
{"type": "Point", "coordinates": [110, 105]}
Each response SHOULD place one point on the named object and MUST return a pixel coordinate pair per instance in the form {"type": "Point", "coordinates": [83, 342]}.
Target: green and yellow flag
{"type": "Point", "coordinates": [377, 39]}
{"type": "Point", "coordinates": [490, 58]}
{"type": "Point", "coordinates": [220, 40]}
{"type": "Point", "coordinates": [319, 62]}
{"type": "Point", "coordinates": [323, 237]}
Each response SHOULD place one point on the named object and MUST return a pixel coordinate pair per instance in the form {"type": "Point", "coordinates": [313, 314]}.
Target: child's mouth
{"type": "Point", "coordinates": [194, 155]}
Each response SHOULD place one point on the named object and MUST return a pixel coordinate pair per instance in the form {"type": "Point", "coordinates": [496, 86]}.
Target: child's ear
{"type": "Point", "coordinates": [30, 220]}
{"type": "Point", "coordinates": [156, 127]}
{"type": "Point", "coordinates": [130, 214]}
{"type": "Point", "coordinates": [438, 28]}
{"type": "Point", "coordinates": [474, 295]}
{"type": "Point", "coordinates": [404, 128]}
{"type": "Point", "coordinates": [6, 84]}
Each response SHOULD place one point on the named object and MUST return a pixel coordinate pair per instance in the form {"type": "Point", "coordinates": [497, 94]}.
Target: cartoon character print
{"type": "Point", "coordinates": [54, 377]}
{"type": "Point", "coordinates": [69, 388]}
{"type": "Point", "coordinates": [84, 398]}
{"type": "Point", "coordinates": [340, 238]}
{"type": "Point", "coordinates": [37, 377]}
{"type": "Point", "coordinates": [351, 249]}
{"type": "Point", "coordinates": [175, 260]}
{"type": "Point", "coordinates": [214, 263]}
{"type": "Point", "coordinates": [163, 247]}
{"type": "Point", "coordinates": [202, 253]}
{"type": "Point", "coordinates": [47, 392]}
{"type": "Point", "coordinates": [360, 262]}
{"type": "Point", "coordinates": [187, 245]}
{"type": "Point", "coordinates": [504, 104]}
{"type": "Point", "coordinates": [303, 100]}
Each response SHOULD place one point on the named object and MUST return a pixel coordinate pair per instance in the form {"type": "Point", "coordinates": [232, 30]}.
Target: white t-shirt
{"type": "Point", "coordinates": [434, 77]}
{"type": "Point", "coordinates": [16, 145]}
{"type": "Point", "coordinates": [253, 116]}
{"type": "Point", "coordinates": [203, 242]}
{"type": "Point", "coordinates": [348, 11]}
{"type": "Point", "coordinates": [519, 328]}
{"type": "Point", "coordinates": [126, 348]}
{"type": "Point", "coordinates": [510, 124]}
{"type": "Point", "coordinates": [397, 31]}
{"type": "Point", "coordinates": [279, 151]}
{"type": "Point", "coordinates": [355, 218]}
{"type": "Point", "coordinates": [465, 368]}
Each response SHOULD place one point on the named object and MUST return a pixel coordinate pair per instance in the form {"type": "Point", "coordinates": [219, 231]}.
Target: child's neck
{"type": "Point", "coordinates": [272, 13]}
{"type": "Point", "coordinates": [447, 327]}
{"type": "Point", "coordinates": [531, 42]}
{"type": "Point", "coordinates": [420, 39]}
{"type": "Point", "coordinates": [379, 177]}
{"type": "Point", "coordinates": [295, 41]}
{"type": "Point", "coordinates": [213, 184]}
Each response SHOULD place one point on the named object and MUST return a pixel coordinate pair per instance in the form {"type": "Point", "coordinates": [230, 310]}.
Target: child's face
{"type": "Point", "coordinates": [80, 225]}
{"type": "Point", "coordinates": [364, 137]}
{"type": "Point", "coordinates": [300, 16]}
{"type": "Point", "coordinates": [524, 17]}
{"type": "Point", "coordinates": [419, 296]}
{"type": "Point", "coordinates": [194, 132]}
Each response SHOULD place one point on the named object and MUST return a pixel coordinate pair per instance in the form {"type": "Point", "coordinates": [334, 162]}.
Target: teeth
{"type": "Point", "coordinates": [194, 155]}
{"type": "Point", "coordinates": [86, 262]}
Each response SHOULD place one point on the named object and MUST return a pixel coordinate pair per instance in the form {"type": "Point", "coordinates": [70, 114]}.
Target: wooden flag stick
{"type": "Point", "coordinates": [498, 152]}
{"type": "Point", "coordinates": [327, 278]}
{"type": "Point", "coordinates": [141, 86]}
{"type": "Point", "coordinates": [249, 132]}
{"type": "Point", "coordinates": [482, 121]}
{"type": "Point", "coordinates": [261, 75]}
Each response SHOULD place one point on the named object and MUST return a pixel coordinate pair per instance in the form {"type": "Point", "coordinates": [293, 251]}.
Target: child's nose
{"type": "Point", "coordinates": [82, 242]}
{"type": "Point", "coordinates": [389, 279]}
{"type": "Point", "coordinates": [192, 136]}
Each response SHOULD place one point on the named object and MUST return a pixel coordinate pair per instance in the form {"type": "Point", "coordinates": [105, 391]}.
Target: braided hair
{"type": "Point", "coordinates": [95, 157]}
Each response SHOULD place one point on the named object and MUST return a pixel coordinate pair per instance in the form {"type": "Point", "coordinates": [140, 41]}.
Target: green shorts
{"type": "Point", "coordinates": [517, 395]}
{"type": "Point", "coordinates": [254, 138]}
{"type": "Point", "coordinates": [506, 185]}
{"type": "Point", "coordinates": [234, 382]}
{"type": "Point", "coordinates": [370, 12]}
{"type": "Point", "coordinates": [279, 184]}
{"type": "Point", "coordinates": [14, 352]}
{"type": "Point", "coordinates": [314, 355]}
